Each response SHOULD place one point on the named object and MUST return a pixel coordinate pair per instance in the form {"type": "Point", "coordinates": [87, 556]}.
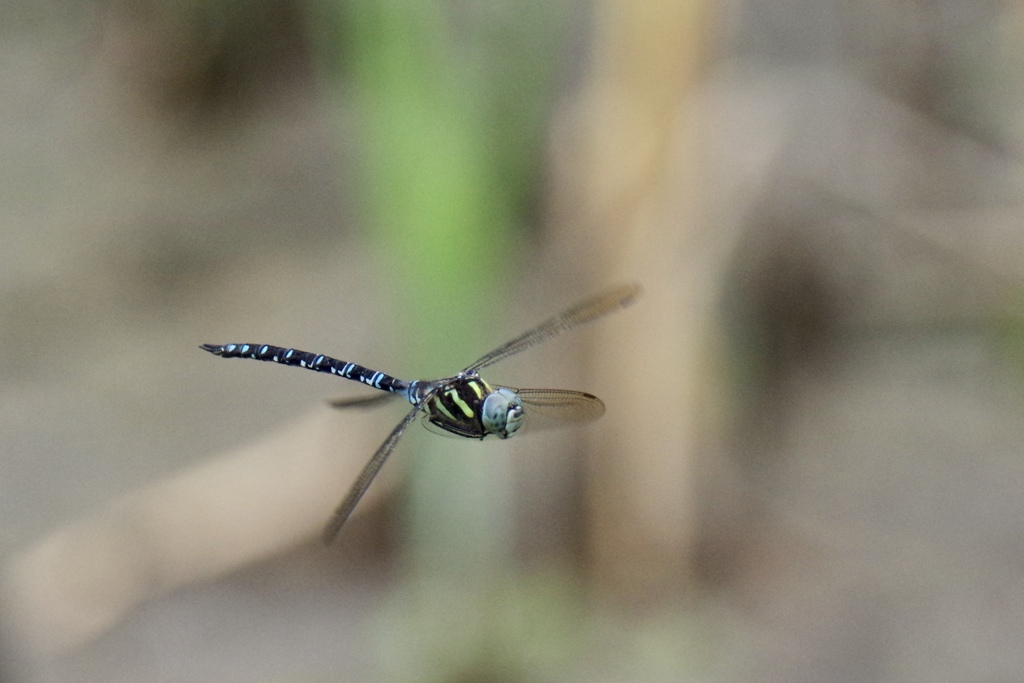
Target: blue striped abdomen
{"type": "Point", "coordinates": [311, 361]}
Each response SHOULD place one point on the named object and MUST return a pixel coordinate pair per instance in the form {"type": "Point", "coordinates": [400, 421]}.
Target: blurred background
{"type": "Point", "coordinates": [811, 463]}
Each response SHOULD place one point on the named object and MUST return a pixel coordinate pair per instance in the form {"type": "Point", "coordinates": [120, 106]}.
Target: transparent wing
{"type": "Point", "coordinates": [581, 313]}
{"type": "Point", "coordinates": [446, 433]}
{"type": "Point", "coordinates": [546, 408]}
{"type": "Point", "coordinates": [373, 401]}
{"type": "Point", "coordinates": [364, 479]}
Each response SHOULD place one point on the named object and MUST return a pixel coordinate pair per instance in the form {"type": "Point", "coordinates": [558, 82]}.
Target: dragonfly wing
{"type": "Point", "coordinates": [373, 401]}
{"type": "Point", "coordinates": [583, 312]}
{"type": "Point", "coordinates": [364, 479]}
{"type": "Point", "coordinates": [452, 433]}
{"type": "Point", "coordinates": [546, 408]}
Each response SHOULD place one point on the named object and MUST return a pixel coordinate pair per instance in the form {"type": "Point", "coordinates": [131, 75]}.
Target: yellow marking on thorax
{"type": "Point", "coordinates": [436, 401]}
{"type": "Point", "coordinates": [467, 411]}
{"type": "Point", "coordinates": [475, 386]}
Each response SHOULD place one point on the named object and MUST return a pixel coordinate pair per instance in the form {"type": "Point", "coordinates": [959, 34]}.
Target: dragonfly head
{"type": "Point", "coordinates": [502, 413]}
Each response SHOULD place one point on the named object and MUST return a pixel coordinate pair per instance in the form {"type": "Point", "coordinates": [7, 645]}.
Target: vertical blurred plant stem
{"type": "Point", "coordinates": [445, 167]}
{"type": "Point", "coordinates": [430, 209]}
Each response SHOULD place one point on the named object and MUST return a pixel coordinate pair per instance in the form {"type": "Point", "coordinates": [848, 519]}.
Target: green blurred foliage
{"type": "Point", "coordinates": [450, 103]}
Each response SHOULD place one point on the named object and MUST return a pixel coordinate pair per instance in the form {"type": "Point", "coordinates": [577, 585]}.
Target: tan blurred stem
{"type": "Point", "coordinates": [246, 505]}
{"type": "Point", "coordinates": [634, 175]}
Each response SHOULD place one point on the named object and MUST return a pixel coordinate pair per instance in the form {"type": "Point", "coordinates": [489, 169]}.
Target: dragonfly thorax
{"type": "Point", "coordinates": [468, 406]}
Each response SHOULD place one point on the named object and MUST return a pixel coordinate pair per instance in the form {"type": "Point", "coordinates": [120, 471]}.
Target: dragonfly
{"type": "Point", "coordinates": [463, 405]}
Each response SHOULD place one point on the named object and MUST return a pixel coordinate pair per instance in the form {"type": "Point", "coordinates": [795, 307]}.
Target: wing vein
{"type": "Point", "coordinates": [365, 478]}
{"type": "Point", "coordinates": [582, 313]}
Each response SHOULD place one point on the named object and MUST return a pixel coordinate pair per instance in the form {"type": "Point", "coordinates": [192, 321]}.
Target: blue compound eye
{"type": "Point", "coordinates": [514, 417]}
{"type": "Point", "coordinates": [502, 413]}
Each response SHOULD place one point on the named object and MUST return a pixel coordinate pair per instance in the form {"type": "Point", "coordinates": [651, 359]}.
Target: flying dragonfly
{"type": "Point", "coordinates": [462, 405]}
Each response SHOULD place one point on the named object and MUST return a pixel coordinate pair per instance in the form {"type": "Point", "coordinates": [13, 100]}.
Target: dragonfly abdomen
{"type": "Point", "coordinates": [311, 361]}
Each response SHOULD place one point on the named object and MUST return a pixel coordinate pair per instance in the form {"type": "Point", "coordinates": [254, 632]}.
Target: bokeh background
{"type": "Point", "coordinates": [812, 463]}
